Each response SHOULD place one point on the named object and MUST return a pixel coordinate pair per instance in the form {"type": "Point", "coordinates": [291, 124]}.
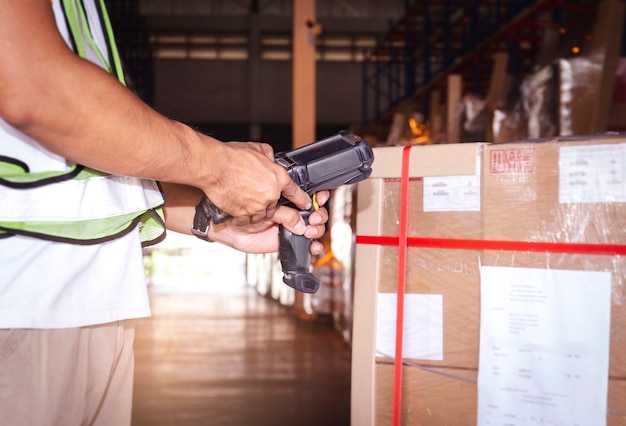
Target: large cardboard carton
{"type": "Point", "coordinates": [568, 193]}
{"type": "Point", "coordinates": [529, 196]}
{"type": "Point", "coordinates": [443, 203]}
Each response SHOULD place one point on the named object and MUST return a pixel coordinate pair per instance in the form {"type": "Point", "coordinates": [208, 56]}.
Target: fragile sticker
{"type": "Point", "coordinates": [512, 160]}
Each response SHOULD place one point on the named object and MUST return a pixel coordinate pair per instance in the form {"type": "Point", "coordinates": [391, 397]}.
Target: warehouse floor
{"type": "Point", "coordinates": [223, 355]}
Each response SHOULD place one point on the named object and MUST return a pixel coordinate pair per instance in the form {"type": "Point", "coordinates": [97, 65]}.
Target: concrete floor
{"type": "Point", "coordinates": [232, 358]}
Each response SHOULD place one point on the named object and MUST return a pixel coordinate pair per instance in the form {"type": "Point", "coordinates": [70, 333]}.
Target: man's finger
{"type": "Point", "coordinates": [316, 248]}
{"type": "Point", "coordinates": [318, 217]}
{"type": "Point", "coordinates": [296, 195]}
{"type": "Point", "coordinates": [267, 150]}
{"type": "Point", "coordinates": [290, 219]}
{"type": "Point", "coordinates": [322, 197]}
{"type": "Point", "coordinates": [271, 210]}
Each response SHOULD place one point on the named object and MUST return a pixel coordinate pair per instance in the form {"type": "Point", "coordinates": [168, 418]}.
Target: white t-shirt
{"type": "Point", "coordinates": [45, 284]}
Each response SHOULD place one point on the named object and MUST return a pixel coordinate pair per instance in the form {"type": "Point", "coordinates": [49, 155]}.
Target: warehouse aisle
{"type": "Point", "coordinates": [223, 355]}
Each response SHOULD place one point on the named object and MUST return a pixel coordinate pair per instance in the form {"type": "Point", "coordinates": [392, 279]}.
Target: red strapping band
{"type": "Point", "coordinates": [402, 246]}
{"type": "Point", "coordinates": [532, 246]}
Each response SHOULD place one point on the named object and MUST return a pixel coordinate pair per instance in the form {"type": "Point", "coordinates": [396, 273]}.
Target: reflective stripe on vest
{"type": "Point", "coordinates": [79, 205]}
{"type": "Point", "coordinates": [83, 39]}
{"type": "Point", "coordinates": [88, 208]}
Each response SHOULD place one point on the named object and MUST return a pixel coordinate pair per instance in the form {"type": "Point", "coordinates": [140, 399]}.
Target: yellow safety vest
{"type": "Point", "coordinates": [79, 205]}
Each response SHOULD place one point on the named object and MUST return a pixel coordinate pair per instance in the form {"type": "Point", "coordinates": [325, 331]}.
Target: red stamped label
{"type": "Point", "coordinates": [512, 160]}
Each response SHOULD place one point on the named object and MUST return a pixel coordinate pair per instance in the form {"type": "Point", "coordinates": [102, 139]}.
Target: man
{"type": "Point", "coordinates": [80, 156]}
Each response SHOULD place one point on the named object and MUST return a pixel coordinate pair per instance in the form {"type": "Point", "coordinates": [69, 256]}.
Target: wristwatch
{"type": "Point", "coordinates": [202, 219]}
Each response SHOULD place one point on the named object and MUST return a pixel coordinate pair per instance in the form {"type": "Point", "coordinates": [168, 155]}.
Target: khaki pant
{"type": "Point", "coordinates": [67, 377]}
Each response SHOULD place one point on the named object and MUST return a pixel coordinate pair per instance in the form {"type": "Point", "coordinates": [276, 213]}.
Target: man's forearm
{"type": "Point", "coordinates": [180, 206]}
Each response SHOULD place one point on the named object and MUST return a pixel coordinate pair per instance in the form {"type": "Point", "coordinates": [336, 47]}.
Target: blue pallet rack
{"type": "Point", "coordinates": [435, 38]}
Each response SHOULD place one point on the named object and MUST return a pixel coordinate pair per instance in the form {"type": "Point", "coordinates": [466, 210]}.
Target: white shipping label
{"type": "Point", "coordinates": [423, 326]}
{"type": "Point", "coordinates": [544, 346]}
{"type": "Point", "coordinates": [452, 193]}
{"type": "Point", "coordinates": [592, 174]}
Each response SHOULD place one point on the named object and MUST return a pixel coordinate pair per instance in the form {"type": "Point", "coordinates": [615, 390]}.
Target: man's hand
{"type": "Point", "coordinates": [262, 236]}
{"type": "Point", "coordinates": [246, 183]}
{"type": "Point", "coordinates": [258, 237]}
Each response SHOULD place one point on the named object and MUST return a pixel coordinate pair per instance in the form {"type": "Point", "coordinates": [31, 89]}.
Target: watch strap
{"type": "Point", "coordinates": [202, 219]}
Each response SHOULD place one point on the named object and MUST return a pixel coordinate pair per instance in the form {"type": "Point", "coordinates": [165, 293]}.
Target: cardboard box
{"type": "Point", "coordinates": [563, 191]}
{"type": "Point", "coordinates": [440, 175]}
{"type": "Point", "coordinates": [524, 201]}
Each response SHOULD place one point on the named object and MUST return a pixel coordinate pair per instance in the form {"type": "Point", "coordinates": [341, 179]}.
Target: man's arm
{"type": "Point", "coordinates": [77, 110]}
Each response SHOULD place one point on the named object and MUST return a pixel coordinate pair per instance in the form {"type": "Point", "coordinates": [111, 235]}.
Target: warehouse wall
{"type": "Point", "coordinates": [216, 97]}
{"type": "Point", "coordinates": [220, 91]}
{"type": "Point", "coordinates": [250, 98]}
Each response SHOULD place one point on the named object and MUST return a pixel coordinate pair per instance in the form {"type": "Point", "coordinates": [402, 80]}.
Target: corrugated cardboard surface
{"type": "Point", "coordinates": [452, 273]}
{"type": "Point", "coordinates": [440, 397]}
{"type": "Point", "coordinates": [431, 271]}
{"type": "Point", "coordinates": [448, 397]}
{"type": "Point", "coordinates": [518, 187]}
{"type": "Point", "coordinates": [521, 203]}
{"type": "Point", "coordinates": [616, 415]}
{"type": "Point", "coordinates": [427, 160]}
